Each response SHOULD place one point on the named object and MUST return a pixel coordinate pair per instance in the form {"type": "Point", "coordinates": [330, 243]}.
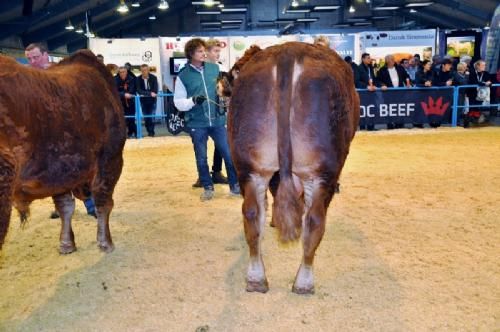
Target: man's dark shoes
{"type": "Point", "coordinates": [197, 184]}
{"type": "Point", "coordinates": [218, 178]}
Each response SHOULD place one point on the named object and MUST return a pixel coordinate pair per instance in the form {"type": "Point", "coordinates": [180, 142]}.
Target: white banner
{"type": "Point", "coordinates": [132, 50]}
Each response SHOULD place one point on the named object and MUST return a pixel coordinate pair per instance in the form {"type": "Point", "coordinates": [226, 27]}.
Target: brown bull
{"type": "Point", "coordinates": [61, 131]}
{"type": "Point", "coordinates": [293, 114]}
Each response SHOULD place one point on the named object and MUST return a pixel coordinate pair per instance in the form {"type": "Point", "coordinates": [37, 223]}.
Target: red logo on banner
{"type": "Point", "coordinates": [169, 46]}
{"type": "Point", "coordinates": [435, 108]}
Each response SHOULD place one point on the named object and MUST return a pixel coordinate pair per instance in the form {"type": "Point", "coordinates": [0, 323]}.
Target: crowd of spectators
{"type": "Point", "coordinates": [440, 72]}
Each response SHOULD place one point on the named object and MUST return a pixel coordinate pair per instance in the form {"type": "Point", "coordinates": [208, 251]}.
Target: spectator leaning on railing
{"type": "Point", "coordinates": [365, 79]}
{"type": "Point", "coordinates": [481, 94]}
{"type": "Point", "coordinates": [392, 75]}
{"type": "Point", "coordinates": [424, 77]}
{"type": "Point", "coordinates": [443, 78]}
{"type": "Point", "coordinates": [461, 77]}
{"type": "Point", "coordinates": [147, 88]}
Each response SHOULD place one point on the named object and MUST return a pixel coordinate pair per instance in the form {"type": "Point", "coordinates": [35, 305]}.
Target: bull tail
{"type": "Point", "coordinates": [287, 206]}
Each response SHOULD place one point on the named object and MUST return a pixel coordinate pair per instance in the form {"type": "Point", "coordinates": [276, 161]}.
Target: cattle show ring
{"type": "Point", "coordinates": [344, 203]}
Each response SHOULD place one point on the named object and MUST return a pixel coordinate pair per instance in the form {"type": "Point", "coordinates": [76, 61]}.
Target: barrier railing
{"type": "Point", "coordinates": [455, 105]}
{"type": "Point", "coordinates": [139, 116]}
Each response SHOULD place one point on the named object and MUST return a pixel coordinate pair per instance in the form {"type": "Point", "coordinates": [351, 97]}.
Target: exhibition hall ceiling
{"type": "Point", "coordinates": [69, 22]}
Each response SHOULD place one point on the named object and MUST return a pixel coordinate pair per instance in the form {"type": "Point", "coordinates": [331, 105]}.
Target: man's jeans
{"type": "Point", "coordinates": [199, 137]}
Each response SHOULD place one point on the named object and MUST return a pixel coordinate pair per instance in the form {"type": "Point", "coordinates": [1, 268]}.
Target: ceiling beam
{"type": "Point", "coordinates": [466, 9]}
{"type": "Point", "coordinates": [20, 24]}
{"type": "Point", "coordinates": [58, 28]}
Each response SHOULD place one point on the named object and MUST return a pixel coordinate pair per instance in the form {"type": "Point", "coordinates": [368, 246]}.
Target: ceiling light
{"type": "Point", "coordinates": [204, 2]}
{"type": "Point", "coordinates": [295, 3]}
{"type": "Point", "coordinates": [413, 10]}
{"type": "Point", "coordinates": [305, 10]}
{"type": "Point", "coordinates": [307, 19]}
{"type": "Point", "coordinates": [419, 4]}
{"type": "Point", "coordinates": [79, 30]}
{"type": "Point", "coordinates": [367, 1]}
{"type": "Point", "coordinates": [69, 26]}
{"type": "Point", "coordinates": [122, 8]}
{"type": "Point", "coordinates": [136, 4]}
{"type": "Point", "coordinates": [234, 9]}
{"type": "Point", "coordinates": [231, 27]}
{"type": "Point", "coordinates": [221, 5]}
{"type": "Point", "coordinates": [341, 25]}
{"type": "Point", "coordinates": [351, 9]}
{"type": "Point", "coordinates": [326, 7]}
{"type": "Point", "coordinates": [211, 23]}
{"type": "Point", "coordinates": [231, 21]}
{"type": "Point", "coordinates": [90, 35]}
{"type": "Point", "coordinates": [386, 8]}
{"type": "Point", "coordinates": [362, 23]}
{"type": "Point", "coordinates": [208, 3]}
{"type": "Point", "coordinates": [380, 17]}
{"type": "Point", "coordinates": [152, 17]}
{"type": "Point", "coordinates": [163, 5]}
{"type": "Point", "coordinates": [356, 19]}
{"type": "Point", "coordinates": [208, 12]}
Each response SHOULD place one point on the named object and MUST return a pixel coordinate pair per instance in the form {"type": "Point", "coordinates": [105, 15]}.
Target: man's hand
{"type": "Point", "coordinates": [428, 83]}
{"type": "Point", "coordinates": [153, 94]}
{"type": "Point", "coordinates": [198, 100]}
{"type": "Point", "coordinates": [371, 88]}
{"type": "Point", "coordinates": [449, 82]}
{"type": "Point", "coordinates": [384, 87]}
{"type": "Point", "coordinates": [128, 95]}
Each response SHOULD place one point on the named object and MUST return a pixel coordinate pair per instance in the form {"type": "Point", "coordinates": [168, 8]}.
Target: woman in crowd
{"type": "Point", "coordinates": [479, 95]}
{"type": "Point", "coordinates": [423, 77]}
{"type": "Point", "coordinates": [461, 77]}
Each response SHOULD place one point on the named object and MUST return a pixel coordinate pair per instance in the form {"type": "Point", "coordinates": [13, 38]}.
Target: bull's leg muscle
{"type": "Point", "coordinates": [65, 206]}
{"type": "Point", "coordinates": [254, 216]}
{"type": "Point", "coordinates": [102, 190]}
{"type": "Point", "coordinates": [6, 183]}
{"type": "Point", "coordinates": [315, 197]}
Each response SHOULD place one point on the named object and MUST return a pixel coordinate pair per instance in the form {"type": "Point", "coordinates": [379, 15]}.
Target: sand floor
{"type": "Point", "coordinates": [412, 244]}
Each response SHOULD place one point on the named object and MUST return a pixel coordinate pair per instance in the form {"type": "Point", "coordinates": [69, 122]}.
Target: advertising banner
{"type": "Point", "coordinates": [344, 45]}
{"type": "Point", "coordinates": [132, 50]}
{"type": "Point", "coordinates": [493, 43]}
{"type": "Point", "coordinates": [401, 44]}
{"type": "Point", "coordinates": [406, 106]}
{"type": "Point", "coordinates": [238, 45]}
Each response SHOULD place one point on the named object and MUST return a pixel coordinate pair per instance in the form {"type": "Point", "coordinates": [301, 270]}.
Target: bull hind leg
{"type": "Point", "coordinates": [6, 183]}
{"type": "Point", "coordinates": [65, 206]}
{"type": "Point", "coordinates": [316, 198]}
{"type": "Point", "coordinates": [102, 190]}
{"type": "Point", "coordinates": [254, 216]}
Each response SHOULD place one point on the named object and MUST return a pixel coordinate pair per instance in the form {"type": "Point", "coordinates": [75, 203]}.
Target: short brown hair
{"type": "Point", "coordinates": [40, 46]}
{"type": "Point", "coordinates": [144, 65]}
{"type": "Point", "coordinates": [211, 43]}
{"type": "Point", "coordinates": [192, 45]}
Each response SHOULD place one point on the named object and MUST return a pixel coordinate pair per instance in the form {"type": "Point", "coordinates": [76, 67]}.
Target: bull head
{"type": "Point", "coordinates": [225, 80]}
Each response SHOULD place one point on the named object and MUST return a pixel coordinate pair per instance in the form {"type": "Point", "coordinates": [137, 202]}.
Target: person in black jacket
{"type": "Point", "coordinates": [445, 76]}
{"type": "Point", "coordinates": [424, 77]}
{"type": "Point", "coordinates": [364, 78]}
{"type": "Point", "coordinates": [147, 88]}
{"type": "Point", "coordinates": [126, 89]}
{"type": "Point", "coordinates": [392, 75]}
{"type": "Point", "coordinates": [483, 79]}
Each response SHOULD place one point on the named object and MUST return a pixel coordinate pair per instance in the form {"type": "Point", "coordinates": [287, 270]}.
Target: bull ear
{"type": "Point", "coordinates": [235, 73]}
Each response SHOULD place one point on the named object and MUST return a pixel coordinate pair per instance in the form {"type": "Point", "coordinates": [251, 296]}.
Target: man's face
{"type": "Point", "coordinates": [199, 54]}
{"type": "Point", "coordinates": [37, 59]}
{"type": "Point", "coordinates": [123, 73]}
{"type": "Point", "coordinates": [390, 62]}
{"type": "Point", "coordinates": [481, 67]}
{"type": "Point", "coordinates": [145, 71]}
{"type": "Point", "coordinates": [446, 67]}
{"type": "Point", "coordinates": [367, 60]}
{"type": "Point", "coordinates": [406, 63]}
{"type": "Point", "coordinates": [213, 54]}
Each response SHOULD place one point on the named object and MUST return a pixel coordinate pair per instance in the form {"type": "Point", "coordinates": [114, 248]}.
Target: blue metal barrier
{"type": "Point", "coordinates": [138, 112]}
{"type": "Point", "coordinates": [456, 93]}
{"type": "Point", "coordinates": [454, 117]}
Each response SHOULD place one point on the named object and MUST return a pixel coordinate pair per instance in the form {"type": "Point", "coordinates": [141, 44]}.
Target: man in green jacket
{"type": "Point", "coordinates": [195, 94]}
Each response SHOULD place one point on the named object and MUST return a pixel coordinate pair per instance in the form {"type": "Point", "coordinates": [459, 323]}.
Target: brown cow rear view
{"type": "Point", "coordinates": [61, 131]}
{"type": "Point", "coordinates": [294, 110]}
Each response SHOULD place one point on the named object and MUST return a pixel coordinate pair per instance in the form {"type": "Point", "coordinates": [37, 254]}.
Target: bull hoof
{"type": "Point", "coordinates": [303, 291]}
{"type": "Point", "coordinates": [106, 247]}
{"type": "Point", "coordinates": [67, 248]}
{"type": "Point", "coordinates": [257, 286]}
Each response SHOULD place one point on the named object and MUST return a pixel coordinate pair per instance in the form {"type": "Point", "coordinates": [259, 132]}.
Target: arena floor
{"type": "Point", "coordinates": [412, 244]}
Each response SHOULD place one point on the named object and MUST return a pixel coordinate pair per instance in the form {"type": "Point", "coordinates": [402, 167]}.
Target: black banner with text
{"type": "Point", "coordinates": [406, 106]}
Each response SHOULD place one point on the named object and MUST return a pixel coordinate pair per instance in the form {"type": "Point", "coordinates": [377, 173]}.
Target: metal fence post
{"type": "Point", "coordinates": [454, 114]}
{"type": "Point", "coordinates": [138, 120]}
